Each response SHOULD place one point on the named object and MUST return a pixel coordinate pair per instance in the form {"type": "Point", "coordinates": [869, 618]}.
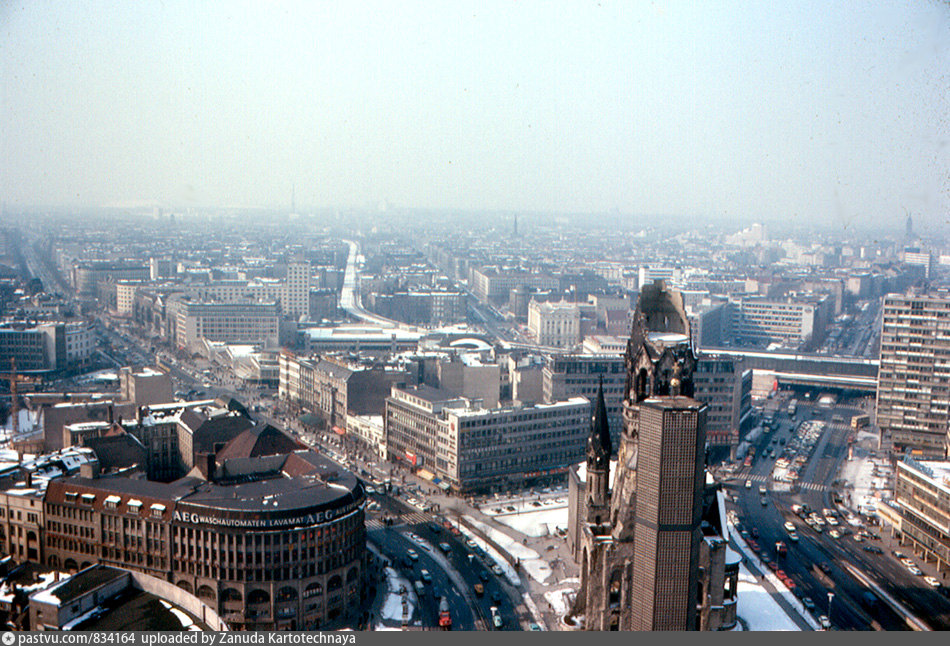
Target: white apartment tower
{"type": "Point", "coordinates": [295, 299]}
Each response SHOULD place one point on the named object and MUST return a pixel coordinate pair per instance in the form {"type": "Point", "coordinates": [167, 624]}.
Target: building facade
{"type": "Point", "coordinates": [556, 325]}
{"type": "Point", "coordinates": [475, 448]}
{"type": "Point", "coordinates": [913, 394]}
{"type": "Point", "coordinates": [296, 565]}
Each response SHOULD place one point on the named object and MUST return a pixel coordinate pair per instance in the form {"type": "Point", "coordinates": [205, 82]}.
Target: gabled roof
{"type": "Point", "coordinates": [258, 441]}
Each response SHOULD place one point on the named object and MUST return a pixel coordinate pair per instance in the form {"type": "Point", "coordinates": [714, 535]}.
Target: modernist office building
{"type": "Point", "coordinates": [913, 393]}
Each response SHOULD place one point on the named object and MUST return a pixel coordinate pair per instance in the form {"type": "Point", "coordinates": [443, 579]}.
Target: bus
{"type": "Point", "coordinates": [860, 421]}
{"type": "Point", "coordinates": [792, 407]}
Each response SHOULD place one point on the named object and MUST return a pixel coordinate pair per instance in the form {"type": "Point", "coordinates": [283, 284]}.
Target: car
{"type": "Point", "coordinates": [808, 603]}
{"type": "Point", "coordinates": [496, 596]}
{"type": "Point", "coordinates": [773, 566]}
{"type": "Point", "coordinates": [445, 547]}
{"type": "Point", "coordinates": [434, 528]}
{"type": "Point", "coordinates": [479, 589]}
{"type": "Point", "coordinates": [497, 570]}
{"type": "Point", "coordinates": [824, 567]}
{"type": "Point", "coordinates": [898, 554]}
{"type": "Point", "coordinates": [916, 571]}
{"type": "Point", "coordinates": [932, 581]}
{"type": "Point", "coordinates": [426, 577]}
{"type": "Point", "coordinates": [411, 553]}
{"type": "Point", "coordinates": [763, 491]}
{"type": "Point", "coordinates": [471, 544]}
{"type": "Point", "coordinates": [824, 622]}
{"type": "Point", "coordinates": [755, 532]}
{"type": "Point", "coordinates": [789, 527]}
{"type": "Point", "coordinates": [834, 534]}
{"type": "Point", "coordinates": [793, 536]}
{"type": "Point", "coordinates": [748, 484]}
{"type": "Point", "coordinates": [907, 562]}
{"type": "Point", "coordinates": [764, 501]}
{"type": "Point", "coordinates": [873, 549]}
{"type": "Point", "coordinates": [858, 538]}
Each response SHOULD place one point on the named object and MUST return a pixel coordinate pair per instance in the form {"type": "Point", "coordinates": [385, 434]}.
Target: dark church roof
{"type": "Point", "coordinates": [258, 441]}
{"type": "Point", "coordinates": [599, 445]}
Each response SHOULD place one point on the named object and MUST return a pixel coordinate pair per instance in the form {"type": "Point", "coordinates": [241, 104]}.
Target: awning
{"type": "Point", "coordinates": [425, 473]}
{"type": "Point", "coordinates": [339, 431]}
{"type": "Point", "coordinates": [444, 486]}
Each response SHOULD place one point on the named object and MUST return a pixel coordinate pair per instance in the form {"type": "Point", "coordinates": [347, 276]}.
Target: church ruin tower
{"type": "Point", "coordinates": [598, 462]}
{"type": "Point", "coordinates": [640, 568]}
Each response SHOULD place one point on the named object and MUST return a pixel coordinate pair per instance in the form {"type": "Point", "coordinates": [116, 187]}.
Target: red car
{"type": "Point", "coordinates": [773, 566]}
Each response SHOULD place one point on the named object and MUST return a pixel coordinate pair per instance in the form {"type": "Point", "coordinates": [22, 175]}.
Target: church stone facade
{"type": "Point", "coordinates": [650, 540]}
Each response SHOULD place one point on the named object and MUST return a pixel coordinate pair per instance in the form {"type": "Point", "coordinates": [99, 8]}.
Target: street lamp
{"type": "Point", "coordinates": [831, 595]}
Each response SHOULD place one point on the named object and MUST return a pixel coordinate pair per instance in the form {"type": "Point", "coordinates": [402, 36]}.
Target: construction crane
{"type": "Point", "coordinates": [15, 379]}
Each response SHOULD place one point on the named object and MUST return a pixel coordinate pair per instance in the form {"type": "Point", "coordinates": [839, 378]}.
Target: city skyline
{"type": "Point", "coordinates": [733, 112]}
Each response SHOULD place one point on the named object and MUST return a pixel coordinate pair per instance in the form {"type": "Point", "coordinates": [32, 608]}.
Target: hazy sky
{"type": "Point", "coordinates": [753, 110]}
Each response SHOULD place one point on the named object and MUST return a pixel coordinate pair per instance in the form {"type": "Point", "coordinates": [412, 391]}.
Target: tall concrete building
{"type": "Point", "coordinates": [645, 540]}
{"type": "Point", "coordinates": [295, 299]}
{"type": "Point", "coordinates": [913, 392]}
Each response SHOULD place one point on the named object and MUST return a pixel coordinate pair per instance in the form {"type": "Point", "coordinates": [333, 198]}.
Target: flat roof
{"type": "Point", "coordinates": [79, 584]}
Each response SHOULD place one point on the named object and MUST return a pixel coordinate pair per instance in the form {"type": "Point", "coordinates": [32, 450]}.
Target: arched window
{"type": "Point", "coordinates": [258, 596]}
{"type": "Point", "coordinates": [231, 594]}
{"type": "Point", "coordinates": [352, 575]}
{"type": "Point", "coordinates": [71, 566]}
{"type": "Point", "coordinates": [335, 583]}
{"type": "Point", "coordinates": [206, 592]}
{"type": "Point", "coordinates": [187, 587]}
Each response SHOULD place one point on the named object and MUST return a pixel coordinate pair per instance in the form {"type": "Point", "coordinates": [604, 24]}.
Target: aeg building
{"type": "Point", "coordinates": [273, 542]}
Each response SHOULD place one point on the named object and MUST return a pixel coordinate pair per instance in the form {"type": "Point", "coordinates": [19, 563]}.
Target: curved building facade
{"type": "Point", "coordinates": [271, 543]}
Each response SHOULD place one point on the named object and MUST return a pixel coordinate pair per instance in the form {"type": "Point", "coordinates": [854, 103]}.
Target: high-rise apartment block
{"type": "Point", "coordinates": [913, 393]}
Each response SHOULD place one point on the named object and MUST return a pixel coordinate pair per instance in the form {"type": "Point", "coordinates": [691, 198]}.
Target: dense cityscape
{"type": "Point", "coordinates": [320, 320]}
{"type": "Point", "coordinates": [393, 421]}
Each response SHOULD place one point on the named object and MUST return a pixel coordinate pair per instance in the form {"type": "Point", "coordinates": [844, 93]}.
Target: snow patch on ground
{"type": "Point", "coordinates": [513, 546]}
{"type": "Point", "coordinates": [560, 600]}
{"type": "Point", "coordinates": [542, 522]}
{"type": "Point", "coordinates": [757, 607]}
{"type": "Point", "coordinates": [771, 578]}
{"type": "Point", "coordinates": [493, 554]}
{"type": "Point", "coordinates": [536, 567]}
{"type": "Point", "coordinates": [392, 607]}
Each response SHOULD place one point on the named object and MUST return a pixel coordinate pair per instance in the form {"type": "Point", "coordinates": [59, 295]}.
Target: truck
{"type": "Point", "coordinates": [792, 407]}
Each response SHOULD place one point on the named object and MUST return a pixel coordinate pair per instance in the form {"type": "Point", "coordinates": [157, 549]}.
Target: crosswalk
{"type": "Point", "coordinates": [784, 486]}
{"type": "Point", "coordinates": [412, 518]}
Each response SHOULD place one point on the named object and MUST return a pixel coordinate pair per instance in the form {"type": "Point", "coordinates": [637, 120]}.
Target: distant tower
{"type": "Point", "coordinates": [598, 462]}
{"type": "Point", "coordinates": [909, 228]}
{"type": "Point", "coordinates": [293, 198]}
{"type": "Point", "coordinates": [515, 233]}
